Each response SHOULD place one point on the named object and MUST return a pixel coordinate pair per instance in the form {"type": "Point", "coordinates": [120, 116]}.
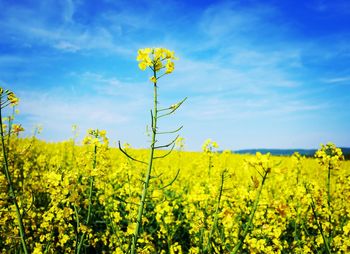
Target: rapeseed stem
{"type": "Point", "coordinates": [249, 224]}
{"type": "Point", "coordinates": [263, 167]}
{"type": "Point", "coordinates": [216, 214]}
{"type": "Point", "coordinates": [91, 185]}
{"type": "Point", "coordinates": [149, 169]}
{"type": "Point", "coordinates": [9, 179]}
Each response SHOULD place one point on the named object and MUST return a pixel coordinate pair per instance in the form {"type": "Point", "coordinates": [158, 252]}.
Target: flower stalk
{"type": "Point", "coordinates": [96, 134]}
{"type": "Point", "coordinates": [249, 224]}
{"type": "Point", "coordinates": [149, 169]}
{"type": "Point", "coordinates": [157, 59]}
{"type": "Point", "coordinates": [11, 100]}
{"type": "Point", "coordinates": [328, 156]}
{"type": "Point", "coordinates": [263, 167]}
{"type": "Point", "coordinates": [216, 213]}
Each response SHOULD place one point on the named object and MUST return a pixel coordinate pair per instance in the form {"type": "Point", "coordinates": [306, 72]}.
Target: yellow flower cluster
{"type": "Point", "coordinates": [209, 146]}
{"type": "Point", "coordinates": [17, 128]}
{"type": "Point", "coordinates": [261, 162]}
{"type": "Point", "coordinates": [96, 137]}
{"type": "Point", "coordinates": [156, 59]}
{"type": "Point", "coordinates": [10, 97]}
{"type": "Point", "coordinates": [329, 155]}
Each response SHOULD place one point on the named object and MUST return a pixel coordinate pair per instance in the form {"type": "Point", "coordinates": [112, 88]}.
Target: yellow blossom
{"type": "Point", "coordinates": [17, 128]}
{"type": "Point", "coordinates": [153, 79]}
{"type": "Point", "coordinates": [155, 58]}
{"type": "Point", "coordinates": [169, 66]}
{"type": "Point", "coordinates": [12, 98]}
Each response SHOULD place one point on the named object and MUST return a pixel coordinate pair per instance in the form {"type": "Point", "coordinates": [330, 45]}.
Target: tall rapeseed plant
{"type": "Point", "coordinates": [208, 149]}
{"type": "Point", "coordinates": [263, 166]}
{"type": "Point", "coordinates": [96, 138]}
{"type": "Point", "coordinates": [329, 157]}
{"type": "Point", "coordinates": [161, 62]}
{"type": "Point", "coordinates": [8, 98]}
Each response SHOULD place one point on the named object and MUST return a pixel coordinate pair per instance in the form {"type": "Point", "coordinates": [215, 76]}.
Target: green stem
{"type": "Point", "coordinates": [77, 222]}
{"type": "Point", "coordinates": [10, 129]}
{"type": "Point", "coordinates": [11, 189]}
{"type": "Point", "coordinates": [216, 214]}
{"type": "Point", "coordinates": [149, 170]}
{"type": "Point", "coordinates": [91, 187]}
{"type": "Point", "coordinates": [329, 202]}
{"type": "Point", "coordinates": [209, 163]}
{"type": "Point", "coordinates": [319, 226]}
{"type": "Point", "coordinates": [251, 217]}
{"type": "Point", "coordinates": [91, 178]}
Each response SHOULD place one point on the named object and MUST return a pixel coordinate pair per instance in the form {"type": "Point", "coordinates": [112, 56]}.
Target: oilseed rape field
{"type": "Point", "coordinates": [90, 197]}
{"type": "Point", "coordinates": [205, 210]}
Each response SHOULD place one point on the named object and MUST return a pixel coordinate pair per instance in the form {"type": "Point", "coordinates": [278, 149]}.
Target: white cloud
{"type": "Point", "coordinates": [111, 86]}
{"type": "Point", "coordinates": [68, 10]}
{"type": "Point", "coordinates": [228, 19]}
{"type": "Point", "coordinates": [7, 60]}
{"type": "Point", "coordinates": [339, 7]}
{"type": "Point", "coordinates": [57, 112]}
{"type": "Point", "coordinates": [345, 79]}
{"type": "Point", "coordinates": [65, 35]}
{"type": "Point", "coordinates": [206, 108]}
{"type": "Point", "coordinates": [67, 46]}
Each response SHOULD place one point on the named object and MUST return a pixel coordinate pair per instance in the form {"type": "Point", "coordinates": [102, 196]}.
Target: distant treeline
{"type": "Point", "coordinates": [289, 152]}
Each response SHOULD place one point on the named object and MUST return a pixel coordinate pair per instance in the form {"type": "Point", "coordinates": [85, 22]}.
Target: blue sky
{"type": "Point", "coordinates": [273, 74]}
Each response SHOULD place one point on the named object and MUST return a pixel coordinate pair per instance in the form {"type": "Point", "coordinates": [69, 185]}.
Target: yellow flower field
{"type": "Point", "coordinates": [204, 210]}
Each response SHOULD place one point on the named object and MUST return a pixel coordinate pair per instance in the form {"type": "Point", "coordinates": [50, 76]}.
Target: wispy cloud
{"type": "Point", "coordinates": [338, 6]}
{"type": "Point", "coordinates": [68, 10]}
{"type": "Point", "coordinates": [67, 46]}
{"type": "Point", "coordinates": [238, 109]}
{"type": "Point", "coordinates": [237, 20]}
{"type": "Point", "coordinates": [56, 112]}
{"type": "Point", "coordinates": [64, 34]}
{"type": "Point", "coordinates": [342, 80]}
{"type": "Point", "coordinates": [8, 60]}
